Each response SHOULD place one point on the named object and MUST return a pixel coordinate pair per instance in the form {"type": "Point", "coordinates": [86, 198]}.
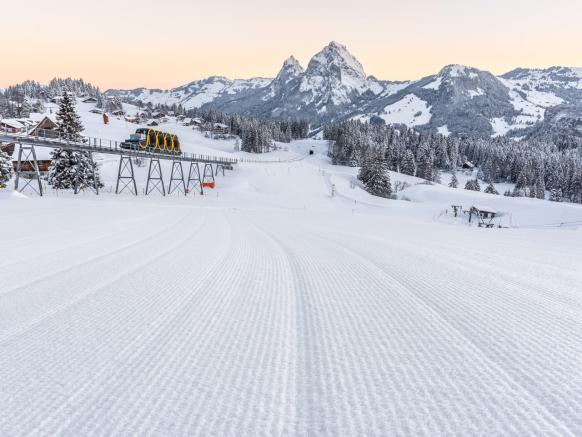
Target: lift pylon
{"type": "Point", "coordinates": [208, 173]}
{"type": "Point", "coordinates": [219, 167]}
{"type": "Point", "coordinates": [27, 155]}
{"type": "Point", "coordinates": [125, 175]}
{"type": "Point", "coordinates": [155, 177]}
{"type": "Point", "coordinates": [194, 179]}
{"type": "Point", "coordinates": [177, 178]}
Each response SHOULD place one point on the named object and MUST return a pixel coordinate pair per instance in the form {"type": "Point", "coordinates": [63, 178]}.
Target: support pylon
{"type": "Point", "coordinates": [155, 177]}
{"type": "Point", "coordinates": [177, 178]}
{"type": "Point", "coordinates": [218, 168]}
{"type": "Point", "coordinates": [95, 187]}
{"type": "Point", "coordinates": [125, 174]}
{"type": "Point", "coordinates": [194, 179]}
{"type": "Point", "coordinates": [208, 173]}
{"type": "Point", "coordinates": [27, 154]}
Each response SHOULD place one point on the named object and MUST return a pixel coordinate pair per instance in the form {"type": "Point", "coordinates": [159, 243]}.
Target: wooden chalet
{"type": "Point", "coordinates": [90, 99]}
{"type": "Point", "coordinates": [220, 129]}
{"type": "Point", "coordinates": [47, 127]}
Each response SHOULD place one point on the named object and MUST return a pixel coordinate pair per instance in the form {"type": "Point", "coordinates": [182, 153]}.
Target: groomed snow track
{"type": "Point", "coordinates": [282, 326]}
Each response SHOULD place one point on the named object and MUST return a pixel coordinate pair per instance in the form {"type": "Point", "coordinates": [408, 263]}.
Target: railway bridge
{"type": "Point", "coordinates": [27, 169]}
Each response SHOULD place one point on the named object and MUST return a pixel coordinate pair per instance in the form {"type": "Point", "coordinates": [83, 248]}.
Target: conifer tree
{"type": "Point", "coordinates": [374, 174]}
{"type": "Point", "coordinates": [408, 166]}
{"type": "Point", "coordinates": [520, 185]}
{"type": "Point", "coordinates": [454, 181]}
{"type": "Point", "coordinates": [556, 194]}
{"type": "Point", "coordinates": [6, 169]}
{"type": "Point", "coordinates": [69, 168]}
{"type": "Point", "coordinates": [491, 189]}
{"type": "Point", "coordinates": [68, 121]}
{"type": "Point", "coordinates": [540, 188]}
{"type": "Point", "coordinates": [473, 185]}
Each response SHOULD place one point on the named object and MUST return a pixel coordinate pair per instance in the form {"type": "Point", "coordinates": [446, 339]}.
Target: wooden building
{"type": "Point", "coordinates": [220, 129]}
{"type": "Point", "coordinates": [43, 159]}
{"type": "Point", "coordinates": [47, 127]}
{"type": "Point", "coordinates": [11, 126]}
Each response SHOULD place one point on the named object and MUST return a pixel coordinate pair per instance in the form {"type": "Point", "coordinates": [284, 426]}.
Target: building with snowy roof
{"type": "Point", "coordinates": [11, 125]}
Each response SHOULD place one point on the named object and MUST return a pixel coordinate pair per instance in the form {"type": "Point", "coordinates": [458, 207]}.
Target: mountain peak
{"type": "Point", "coordinates": [457, 70]}
{"type": "Point", "coordinates": [290, 70]}
{"type": "Point", "coordinates": [335, 58]}
{"type": "Point", "coordinates": [292, 61]}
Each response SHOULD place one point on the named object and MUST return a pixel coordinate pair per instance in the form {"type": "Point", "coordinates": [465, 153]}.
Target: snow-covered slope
{"type": "Point", "coordinates": [269, 307]}
{"type": "Point", "coordinates": [193, 95]}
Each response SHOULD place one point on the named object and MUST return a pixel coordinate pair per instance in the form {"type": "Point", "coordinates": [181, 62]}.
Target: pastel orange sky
{"type": "Point", "coordinates": [128, 44]}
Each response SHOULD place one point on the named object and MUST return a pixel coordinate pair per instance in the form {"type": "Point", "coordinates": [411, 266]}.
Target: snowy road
{"type": "Point", "coordinates": [271, 323]}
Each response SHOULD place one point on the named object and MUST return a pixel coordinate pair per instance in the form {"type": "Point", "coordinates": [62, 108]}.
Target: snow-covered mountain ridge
{"type": "Point", "coordinates": [334, 86]}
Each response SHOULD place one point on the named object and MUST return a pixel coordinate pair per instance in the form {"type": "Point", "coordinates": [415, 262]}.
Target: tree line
{"type": "Point", "coordinates": [533, 165]}
{"type": "Point", "coordinates": [257, 135]}
{"type": "Point", "coordinates": [29, 96]}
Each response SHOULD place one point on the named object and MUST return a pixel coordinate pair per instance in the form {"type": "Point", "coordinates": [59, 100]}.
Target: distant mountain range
{"type": "Point", "coordinates": [334, 86]}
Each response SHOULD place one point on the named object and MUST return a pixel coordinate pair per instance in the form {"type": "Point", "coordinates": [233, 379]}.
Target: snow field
{"type": "Point", "coordinates": [268, 307]}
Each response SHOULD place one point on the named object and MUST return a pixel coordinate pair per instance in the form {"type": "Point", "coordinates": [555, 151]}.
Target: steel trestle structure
{"type": "Point", "coordinates": [27, 156]}
{"type": "Point", "coordinates": [194, 179]}
{"type": "Point", "coordinates": [125, 175]}
{"type": "Point", "coordinates": [28, 164]}
{"type": "Point", "coordinates": [177, 178]}
{"type": "Point", "coordinates": [155, 177]}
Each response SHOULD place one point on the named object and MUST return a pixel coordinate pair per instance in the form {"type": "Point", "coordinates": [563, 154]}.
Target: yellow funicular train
{"type": "Point", "coordinates": [154, 141]}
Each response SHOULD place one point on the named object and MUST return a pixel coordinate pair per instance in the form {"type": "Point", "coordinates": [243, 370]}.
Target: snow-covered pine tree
{"type": "Point", "coordinates": [6, 169]}
{"type": "Point", "coordinates": [68, 168]}
{"type": "Point", "coordinates": [556, 194]}
{"type": "Point", "coordinates": [473, 185]}
{"type": "Point", "coordinates": [520, 185]}
{"type": "Point", "coordinates": [374, 175]}
{"type": "Point", "coordinates": [454, 181]}
{"type": "Point", "coordinates": [491, 189]}
{"type": "Point", "coordinates": [540, 188]}
{"type": "Point", "coordinates": [408, 166]}
{"type": "Point", "coordinates": [68, 121]}
{"type": "Point", "coordinates": [61, 172]}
